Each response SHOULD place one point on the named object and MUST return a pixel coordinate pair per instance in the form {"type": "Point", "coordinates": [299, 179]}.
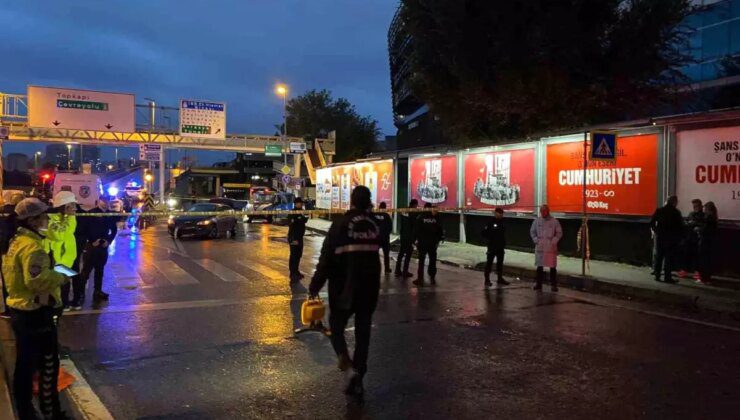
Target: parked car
{"type": "Point", "coordinates": [270, 200]}
{"type": "Point", "coordinates": [204, 226]}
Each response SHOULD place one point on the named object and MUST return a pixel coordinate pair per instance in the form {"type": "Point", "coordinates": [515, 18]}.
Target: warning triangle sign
{"type": "Point", "coordinates": [603, 149]}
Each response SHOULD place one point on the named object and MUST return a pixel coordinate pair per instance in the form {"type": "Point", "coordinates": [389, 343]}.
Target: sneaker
{"type": "Point", "coordinates": [682, 274]}
{"type": "Point", "coordinates": [502, 282]}
{"type": "Point", "coordinates": [100, 295]}
{"type": "Point", "coordinates": [351, 380]}
{"type": "Point", "coordinates": [418, 282]}
{"type": "Point", "coordinates": [66, 308]}
{"type": "Point", "coordinates": [5, 315]}
{"type": "Point", "coordinates": [75, 307]}
{"type": "Point", "coordinates": [487, 283]}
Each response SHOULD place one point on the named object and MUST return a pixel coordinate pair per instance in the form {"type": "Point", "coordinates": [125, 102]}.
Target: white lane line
{"type": "Point", "coordinates": [264, 270]}
{"type": "Point", "coordinates": [86, 401]}
{"type": "Point", "coordinates": [125, 276]}
{"type": "Point", "coordinates": [174, 273]}
{"type": "Point", "coordinates": [221, 271]}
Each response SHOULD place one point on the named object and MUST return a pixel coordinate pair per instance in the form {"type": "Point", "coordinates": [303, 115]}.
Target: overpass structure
{"type": "Point", "coordinates": [14, 116]}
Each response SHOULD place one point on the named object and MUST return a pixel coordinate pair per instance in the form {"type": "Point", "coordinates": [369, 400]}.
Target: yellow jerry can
{"type": "Point", "coordinates": [312, 310]}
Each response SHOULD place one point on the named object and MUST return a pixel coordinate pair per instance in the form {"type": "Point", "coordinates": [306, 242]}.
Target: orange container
{"type": "Point", "coordinates": [312, 310]}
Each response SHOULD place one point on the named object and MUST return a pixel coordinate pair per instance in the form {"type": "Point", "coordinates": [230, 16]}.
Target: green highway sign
{"type": "Point", "coordinates": [273, 150]}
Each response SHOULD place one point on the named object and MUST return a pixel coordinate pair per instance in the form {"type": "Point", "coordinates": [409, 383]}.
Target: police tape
{"type": "Point", "coordinates": [317, 212]}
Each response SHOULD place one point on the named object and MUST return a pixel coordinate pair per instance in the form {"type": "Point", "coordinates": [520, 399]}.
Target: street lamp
{"type": "Point", "coordinates": [282, 90]}
{"type": "Point", "coordinates": [69, 157]}
{"type": "Point", "coordinates": [36, 160]}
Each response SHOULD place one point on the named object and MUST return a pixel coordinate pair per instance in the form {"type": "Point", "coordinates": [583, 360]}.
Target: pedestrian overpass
{"type": "Point", "coordinates": [14, 116]}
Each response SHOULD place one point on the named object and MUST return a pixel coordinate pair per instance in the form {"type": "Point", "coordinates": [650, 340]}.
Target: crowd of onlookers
{"type": "Point", "coordinates": [687, 246]}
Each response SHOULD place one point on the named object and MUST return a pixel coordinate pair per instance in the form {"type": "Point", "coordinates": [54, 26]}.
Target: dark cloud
{"type": "Point", "coordinates": [221, 50]}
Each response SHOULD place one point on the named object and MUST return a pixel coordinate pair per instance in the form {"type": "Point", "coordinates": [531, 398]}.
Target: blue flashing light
{"type": "Point", "coordinates": [112, 191]}
{"type": "Point", "coordinates": [134, 184]}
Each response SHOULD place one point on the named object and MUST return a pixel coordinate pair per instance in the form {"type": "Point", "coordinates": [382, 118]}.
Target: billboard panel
{"type": "Point", "coordinates": [202, 119]}
{"type": "Point", "coordinates": [378, 177]}
{"type": "Point", "coordinates": [323, 188]}
{"type": "Point", "coordinates": [500, 179]}
{"type": "Point", "coordinates": [80, 109]}
{"type": "Point", "coordinates": [708, 168]}
{"type": "Point", "coordinates": [628, 186]}
{"type": "Point", "coordinates": [434, 180]}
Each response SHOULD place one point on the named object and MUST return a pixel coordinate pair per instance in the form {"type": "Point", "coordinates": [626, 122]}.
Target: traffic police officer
{"type": "Point", "coordinates": [428, 232]}
{"type": "Point", "coordinates": [407, 240]}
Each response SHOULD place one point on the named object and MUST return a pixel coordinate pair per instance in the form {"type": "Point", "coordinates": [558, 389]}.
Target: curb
{"type": "Point", "coordinates": [594, 285]}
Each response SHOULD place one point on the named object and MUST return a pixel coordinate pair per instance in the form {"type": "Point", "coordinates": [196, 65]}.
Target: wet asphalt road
{"type": "Point", "coordinates": [204, 329]}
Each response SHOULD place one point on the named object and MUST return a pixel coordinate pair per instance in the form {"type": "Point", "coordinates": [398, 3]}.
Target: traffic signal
{"type": "Point", "coordinates": [148, 177]}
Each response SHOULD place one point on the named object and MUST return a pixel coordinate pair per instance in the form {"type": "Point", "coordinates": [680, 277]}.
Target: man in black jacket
{"type": "Point", "coordinates": [349, 261]}
{"type": "Point", "coordinates": [296, 230]}
{"type": "Point", "coordinates": [98, 232]}
{"type": "Point", "coordinates": [8, 227]}
{"type": "Point", "coordinates": [667, 226]}
{"type": "Point", "coordinates": [407, 241]}
{"type": "Point", "coordinates": [495, 235]}
{"type": "Point", "coordinates": [428, 233]}
{"type": "Point", "coordinates": [385, 223]}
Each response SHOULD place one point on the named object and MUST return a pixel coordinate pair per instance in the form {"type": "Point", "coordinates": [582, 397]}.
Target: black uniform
{"type": "Point", "coordinates": [667, 224]}
{"type": "Point", "coordinates": [296, 230]}
{"type": "Point", "coordinates": [407, 242]}
{"type": "Point", "coordinates": [495, 235]}
{"type": "Point", "coordinates": [694, 225]}
{"type": "Point", "coordinates": [707, 251]}
{"type": "Point", "coordinates": [349, 261]}
{"type": "Point", "coordinates": [95, 257]}
{"type": "Point", "coordinates": [385, 223]}
{"type": "Point", "coordinates": [428, 233]}
{"type": "Point", "coordinates": [8, 226]}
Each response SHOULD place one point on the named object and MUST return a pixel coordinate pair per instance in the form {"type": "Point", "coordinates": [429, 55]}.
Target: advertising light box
{"type": "Point", "coordinates": [334, 185]}
{"type": "Point", "coordinates": [708, 168]}
{"type": "Point", "coordinates": [500, 179]}
{"type": "Point", "coordinates": [434, 180]}
{"type": "Point", "coordinates": [628, 186]}
{"type": "Point", "coordinates": [323, 188]}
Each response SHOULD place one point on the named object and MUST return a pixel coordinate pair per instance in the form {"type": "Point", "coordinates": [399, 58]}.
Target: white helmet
{"type": "Point", "coordinates": [30, 207]}
{"type": "Point", "coordinates": [63, 198]}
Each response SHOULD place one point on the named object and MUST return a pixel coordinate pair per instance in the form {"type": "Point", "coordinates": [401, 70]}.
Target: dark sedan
{"type": "Point", "coordinates": [204, 226]}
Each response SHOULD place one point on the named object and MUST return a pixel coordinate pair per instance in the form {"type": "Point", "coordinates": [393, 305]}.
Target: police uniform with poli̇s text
{"type": "Point", "coordinates": [34, 297]}
{"type": "Point", "coordinates": [428, 232]}
{"type": "Point", "coordinates": [385, 223]}
{"type": "Point", "coordinates": [495, 235]}
{"type": "Point", "coordinates": [407, 241]}
{"type": "Point", "coordinates": [349, 261]}
{"type": "Point", "coordinates": [296, 231]}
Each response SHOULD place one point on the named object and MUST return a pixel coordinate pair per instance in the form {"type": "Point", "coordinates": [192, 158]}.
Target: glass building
{"type": "Point", "coordinates": [715, 40]}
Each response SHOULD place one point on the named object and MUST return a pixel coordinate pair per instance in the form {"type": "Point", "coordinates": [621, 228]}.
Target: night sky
{"type": "Point", "coordinates": [232, 51]}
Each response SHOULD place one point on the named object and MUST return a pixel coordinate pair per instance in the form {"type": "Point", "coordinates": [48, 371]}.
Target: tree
{"type": "Point", "coordinates": [315, 114]}
{"type": "Point", "coordinates": [508, 69]}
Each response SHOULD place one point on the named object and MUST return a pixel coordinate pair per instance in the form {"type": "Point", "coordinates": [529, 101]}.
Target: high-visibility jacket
{"type": "Point", "coordinates": [60, 239]}
{"type": "Point", "coordinates": [29, 277]}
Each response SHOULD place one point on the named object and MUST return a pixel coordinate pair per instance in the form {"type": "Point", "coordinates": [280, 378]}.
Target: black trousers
{"type": "Point", "coordinates": [77, 283]}
{"type": "Point", "coordinates": [691, 254]}
{"type": "Point", "coordinates": [498, 254]}
{"type": "Point", "coordinates": [404, 257]}
{"type": "Point", "coordinates": [5, 293]}
{"type": "Point", "coordinates": [294, 262]}
{"type": "Point", "coordinates": [386, 247]}
{"type": "Point", "coordinates": [37, 350]}
{"type": "Point", "coordinates": [432, 253]}
{"type": "Point", "coordinates": [553, 276]}
{"type": "Point", "coordinates": [338, 319]}
{"type": "Point", "coordinates": [665, 254]}
{"type": "Point", "coordinates": [95, 259]}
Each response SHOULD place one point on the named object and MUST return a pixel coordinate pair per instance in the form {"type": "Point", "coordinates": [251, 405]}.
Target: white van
{"type": "Point", "coordinates": [86, 187]}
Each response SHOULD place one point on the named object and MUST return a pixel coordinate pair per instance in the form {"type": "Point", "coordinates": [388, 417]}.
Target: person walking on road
{"type": "Point", "coordinates": [546, 233]}
{"type": "Point", "coordinates": [296, 231]}
{"type": "Point", "coordinates": [694, 225]}
{"type": "Point", "coordinates": [61, 242]}
{"type": "Point", "coordinates": [99, 233]}
{"type": "Point", "coordinates": [349, 261]}
{"type": "Point", "coordinates": [707, 247]}
{"type": "Point", "coordinates": [667, 226]}
{"type": "Point", "coordinates": [385, 223]}
{"type": "Point", "coordinates": [428, 233]}
{"type": "Point", "coordinates": [495, 235]}
{"type": "Point", "coordinates": [8, 227]}
{"type": "Point", "coordinates": [33, 296]}
{"type": "Point", "coordinates": [407, 241]}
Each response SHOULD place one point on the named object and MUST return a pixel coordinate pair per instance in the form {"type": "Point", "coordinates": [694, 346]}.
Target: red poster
{"type": "Point", "coordinates": [500, 179]}
{"type": "Point", "coordinates": [628, 186]}
{"type": "Point", "coordinates": [434, 180]}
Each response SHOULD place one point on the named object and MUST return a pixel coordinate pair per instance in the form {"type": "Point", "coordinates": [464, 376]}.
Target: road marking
{"type": "Point", "coordinates": [264, 270]}
{"type": "Point", "coordinates": [174, 273]}
{"type": "Point", "coordinates": [125, 276]}
{"type": "Point", "coordinates": [221, 271]}
{"type": "Point", "coordinates": [86, 401]}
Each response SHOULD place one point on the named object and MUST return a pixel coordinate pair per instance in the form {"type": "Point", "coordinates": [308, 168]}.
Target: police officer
{"type": "Point", "coordinates": [407, 240]}
{"type": "Point", "coordinates": [495, 235]}
{"type": "Point", "coordinates": [428, 233]}
{"type": "Point", "coordinates": [296, 230]}
{"type": "Point", "coordinates": [34, 296]}
{"type": "Point", "coordinates": [385, 224]}
{"type": "Point", "coordinates": [98, 232]}
{"type": "Point", "coordinates": [349, 261]}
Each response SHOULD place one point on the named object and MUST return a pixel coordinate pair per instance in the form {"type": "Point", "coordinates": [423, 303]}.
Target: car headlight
{"type": "Point", "coordinates": [206, 222]}
{"type": "Point", "coordinates": [171, 202]}
{"type": "Point", "coordinates": [171, 220]}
